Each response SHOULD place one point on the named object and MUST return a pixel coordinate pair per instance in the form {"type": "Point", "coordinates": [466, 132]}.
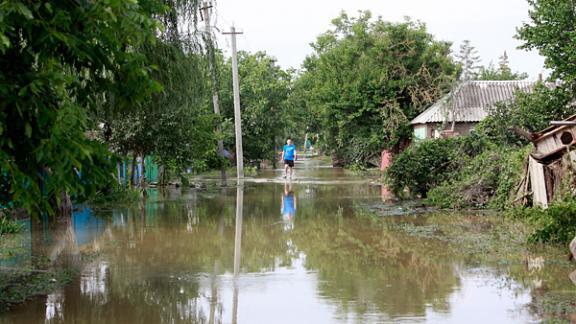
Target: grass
{"type": "Point", "coordinates": [9, 226]}
{"type": "Point", "coordinates": [116, 196]}
{"type": "Point", "coordinates": [557, 307]}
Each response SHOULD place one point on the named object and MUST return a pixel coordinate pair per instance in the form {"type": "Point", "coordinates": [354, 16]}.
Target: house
{"type": "Point", "coordinates": [465, 106]}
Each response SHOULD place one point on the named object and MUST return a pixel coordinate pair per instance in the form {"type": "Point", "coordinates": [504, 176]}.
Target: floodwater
{"type": "Point", "coordinates": [268, 251]}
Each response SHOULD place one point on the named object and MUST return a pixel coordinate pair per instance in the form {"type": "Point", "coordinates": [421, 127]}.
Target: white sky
{"type": "Point", "coordinates": [284, 29]}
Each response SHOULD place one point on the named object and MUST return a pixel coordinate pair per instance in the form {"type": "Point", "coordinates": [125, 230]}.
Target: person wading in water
{"type": "Point", "coordinates": [289, 155]}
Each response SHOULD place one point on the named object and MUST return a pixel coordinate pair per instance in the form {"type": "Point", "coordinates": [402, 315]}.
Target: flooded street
{"type": "Point", "coordinates": [300, 252]}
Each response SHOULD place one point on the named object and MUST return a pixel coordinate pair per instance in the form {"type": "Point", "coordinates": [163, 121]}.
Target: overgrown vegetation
{"type": "Point", "coordinates": [426, 165]}
{"type": "Point", "coordinates": [556, 224]}
{"type": "Point", "coordinates": [486, 180]}
{"type": "Point", "coordinates": [85, 84]}
{"type": "Point", "coordinates": [265, 113]}
{"type": "Point", "coordinates": [19, 285]}
{"type": "Point", "coordinates": [117, 194]}
{"type": "Point", "coordinates": [366, 80]}
{"type": "Point", "coordinates": [51, 76]}
{"type": "Point", "coordinates": [452, 177]}
{"type": "Point", "coordinates": [9, 226]}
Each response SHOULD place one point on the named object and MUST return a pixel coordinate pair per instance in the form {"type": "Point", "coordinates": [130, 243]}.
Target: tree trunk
{"type": "Point", "coordinates": [161, 180]}
{"type": "Point", "coordinates": [119, 172]}
{"type": "Point", "coordinates": [132, 171]}
{"type": "Point", "coordinates": [65, 208]}
{"type": "Point", "coordinates": [275, 156]}
{"type": "Point", "coordinates": [143, 175]}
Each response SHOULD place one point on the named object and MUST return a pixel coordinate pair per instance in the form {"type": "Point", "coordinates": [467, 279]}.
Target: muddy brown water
{"type": "Point", "coordinates": [300, 252]}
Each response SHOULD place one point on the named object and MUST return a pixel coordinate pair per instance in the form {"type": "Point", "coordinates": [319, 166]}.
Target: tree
{"type": "Point", "coordinates": [264, 89]}
{"type": "Point", "coordinates": [301, 117]}
{"type": "Point", "coordinates": [552, 31]}
{"type": "Point", "coordinates": [469, 61]}
{"type": "Point", "coordinates": [57, 60]}
{"type": "Point", "coordinates": [367, 79]}
{"type": "Point", "coordinates": [175, 124]}
{"type": "Point", "coordinates": [502, 72]}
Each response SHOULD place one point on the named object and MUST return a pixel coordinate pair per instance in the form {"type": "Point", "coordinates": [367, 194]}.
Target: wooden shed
{"type": "Point", "coordinates": [550, 163]}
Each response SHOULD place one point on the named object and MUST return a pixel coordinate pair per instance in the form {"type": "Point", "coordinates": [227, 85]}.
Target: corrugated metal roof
{"type": "Point", "coordinates": [471, 101]}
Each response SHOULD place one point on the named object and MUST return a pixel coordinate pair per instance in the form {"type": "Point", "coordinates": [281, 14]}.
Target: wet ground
{"type": "Point", "coordinates": [270, 251]}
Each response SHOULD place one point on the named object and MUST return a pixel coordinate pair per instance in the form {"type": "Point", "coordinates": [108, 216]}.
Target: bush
{"type": "Point", "coordinates": [487, 180]}
{"type": "Point", "coordinates": [116, 195]}
{"type": "Point", "coordinates": [557, 224]}
{"type": "Point", "coordinates": [8, 226]}
{"type": "Point", "coordinates": [425, 165]}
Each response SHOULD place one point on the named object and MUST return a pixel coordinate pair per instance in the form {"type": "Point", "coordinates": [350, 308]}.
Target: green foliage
{"type": "Point", "coordinates": [463, 172]}
{"type": "Point", "coordinates": [487, 180]}
{"type": "Point", "coordinates": [502, 72]}
{"type": "Point", "coordinates": [176, 124]}
{"type": "Point", "coordinates": [552, 31]}
{"type": "Point", "coordinates": [8, 226]}
{"type": "Point", "coordinates": [556, 224]}
{"type": "Point", "coordinates": [57, 61]}
{"type": "Point", "coordinates": [115, 195]}
{"type": "Point", "coordinates": [264, 89]}
{"type": "Point", "coordinates": [469, 61]}
{"type": "Point", "coordinates": [301, 117]}
{"type": "Point", "coordinates": [425, 165]}
{"type": "Point", "coordinates": [366, 80]}
{"type": "Point", "coordinates": [532, 112]}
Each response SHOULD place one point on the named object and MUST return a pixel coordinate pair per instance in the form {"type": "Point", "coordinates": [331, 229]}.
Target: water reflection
{"type": "Point", "coordinates": [288, 206]}
{"type": "Point", "coordinates": [224, 256]}
{"type": "Point", "coordinates": [237, 247]}
{"type": "Point", "coordinates": [54, 311]}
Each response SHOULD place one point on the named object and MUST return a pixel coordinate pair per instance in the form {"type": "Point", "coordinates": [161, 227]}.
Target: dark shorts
{"type": "Point", "coordinates": [290, 163]}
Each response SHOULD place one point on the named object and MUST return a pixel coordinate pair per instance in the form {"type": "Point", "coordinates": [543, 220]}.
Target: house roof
{"type": "Point", "coordinates": [471, 101]}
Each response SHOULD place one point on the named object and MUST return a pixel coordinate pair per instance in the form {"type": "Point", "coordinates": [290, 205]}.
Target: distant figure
{"type": "Point", "coordinates": [288, 207]}
{"type": "Point", "coordinates": [289, 155]}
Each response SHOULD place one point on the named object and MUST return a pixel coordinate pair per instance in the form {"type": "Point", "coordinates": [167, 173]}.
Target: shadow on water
{"type": "Point", "coordinates": [272, 252]}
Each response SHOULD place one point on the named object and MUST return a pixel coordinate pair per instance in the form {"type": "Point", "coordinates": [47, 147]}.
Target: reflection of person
{"type": "Point", "coordinates": [289, 155]}
{"type": "Point", "coordinates": [288, 207]}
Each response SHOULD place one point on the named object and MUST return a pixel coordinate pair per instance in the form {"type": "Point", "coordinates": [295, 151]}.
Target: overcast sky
{"type": "Point", "coordinates": [284, 29]}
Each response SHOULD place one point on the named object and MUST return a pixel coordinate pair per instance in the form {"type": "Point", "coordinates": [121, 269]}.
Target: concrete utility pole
{"type": "Point", "coordinates": [237, 116]}
{"type": "Point", "coordinates": [213, 76]}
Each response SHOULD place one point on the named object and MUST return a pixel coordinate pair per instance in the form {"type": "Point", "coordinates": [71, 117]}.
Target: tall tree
{"type": "Point", "coordinates": [264, 90]}
{"type": "Point", "coordinates": [368, 78]}
{"type": "Point", "coordinates": [469, 61]}
{"type": "Point", "coordinates": [174, 125]}
{"type": "Point", "coordinates": [552, 31]}
{"type": "Point", "coordinates": [502, 72]}
{"type": "Point", "coordinates": [57, 59]}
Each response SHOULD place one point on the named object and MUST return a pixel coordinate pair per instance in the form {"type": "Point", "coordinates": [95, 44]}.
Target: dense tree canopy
{"type": "Point", "coordinates": [57, 59]}
{"type": "Point", "coordinates": [175, 125]}
{"type": "Point", "coordinates": [368, 78]}
{"type": "Point", "coordinates": [264, 89]}
{"type": "Point", "coordinates": [552, 31]}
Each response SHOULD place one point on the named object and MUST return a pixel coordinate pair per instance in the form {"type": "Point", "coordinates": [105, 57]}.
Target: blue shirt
{"type": "Point", "coordinates": [289, 208]}
{"type": "Point", "coordinates": [289, 151]}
